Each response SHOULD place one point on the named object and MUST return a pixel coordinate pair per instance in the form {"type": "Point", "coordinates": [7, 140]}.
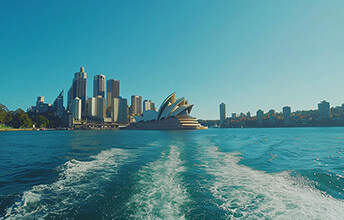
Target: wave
{"type": "Point", "coordinates": [244, 193]}
{"type": "Point", "coordinates": [160, 192]}
{"type": "Point", "coordinates": [78, 181]}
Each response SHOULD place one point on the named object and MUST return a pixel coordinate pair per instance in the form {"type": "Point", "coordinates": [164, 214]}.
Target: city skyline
{"type": "Point", "coordinates": [95, 80]}
{"type": "Point", "coordinates": [249, 56]}
{"type": "Point", "coordinates": [137, 106]}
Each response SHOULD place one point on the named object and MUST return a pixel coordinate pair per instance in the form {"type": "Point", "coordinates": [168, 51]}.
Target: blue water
{"type": "Point", "coordinates": [279, 173]}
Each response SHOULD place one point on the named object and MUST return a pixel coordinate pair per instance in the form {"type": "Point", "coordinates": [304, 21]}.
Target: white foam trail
{"type": "Point", "coordinates": [244, 193]}
{"type": "Point", "coordinates": [160, 193]}
{"type": "Point", "coordinates": [77, 181]}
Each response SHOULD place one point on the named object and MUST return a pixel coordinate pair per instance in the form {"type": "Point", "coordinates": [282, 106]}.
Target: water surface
{"type": "Point", "coordinates": [280, 173]}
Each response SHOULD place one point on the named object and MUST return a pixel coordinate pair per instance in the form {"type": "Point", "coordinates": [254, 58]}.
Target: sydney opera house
{"type": "Point", "coordinates": [173, 114]}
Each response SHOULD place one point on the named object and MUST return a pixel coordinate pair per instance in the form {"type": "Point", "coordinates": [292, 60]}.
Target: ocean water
{"type": "Point", "coordinates": [280, 173]}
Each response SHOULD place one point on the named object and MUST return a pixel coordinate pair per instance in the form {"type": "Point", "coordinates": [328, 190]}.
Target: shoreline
{"type": "Point", "coordinates": [17, 129]}
{"type": "Point", "coordinates": [88, 129]}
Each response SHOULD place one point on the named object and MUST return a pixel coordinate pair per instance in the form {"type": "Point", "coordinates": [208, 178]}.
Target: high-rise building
{"type": "Point", "coordinates": [112, 91]}
{"type": "Point", "coordinates": [234, 115]}
{"type": "Point", "coordinates": [58, 104]}
{"type": "Point", "coordinates": [78, 89]}
{"type": "Point", "coordinates": [99, 86]}
{"type": "Point", "coordinates": [119, 111]}
{"type": "Point", "coordinates": [136, 105]}
{"type": "Point", "coordinates": [152, 106]}
{"type": "Point", "coordinates": [92, 107]}
{"type": "Point", "coordinates": [248, 114]}
{"type": "Point", "coordinates": [222, 113]}
{"type": "Point", "coordinates": [76, 107]}
{"type": "Point", "coordinates": [100, 113]}
{"type": "Point", "coordinates": [148, 105]}
{"type": "Point", "coordinates": [41, 107]}
{"type": "Point", "coordinates": [286, 115]}
{"type": "Point", "coordinates": [260, 117]}
{"type": "Point", "coordinates": [324, 109]}
{"type": "Point", "coordinates": [40, 99]}
{"type": "Point", "coordinates": [272, 117]}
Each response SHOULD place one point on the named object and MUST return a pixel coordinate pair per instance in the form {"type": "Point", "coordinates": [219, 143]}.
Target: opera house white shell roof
{"type": "Point", "coordinates": [170, 107]}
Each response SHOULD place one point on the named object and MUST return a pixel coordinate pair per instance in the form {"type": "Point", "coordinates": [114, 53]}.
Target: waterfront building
{"type": "Point", "coordinates": [260, 117]}
{"type": "Point", "coordinates": [58, 104]}
{"type": "Point", "coordinates": [136, 105]}
{"type": "Point", "coordinates": [40, 99]}
{"type": "Point", "coordinates": [324, 109]}
{"type": "Point", "coordinates": [77, 108]}
{"type": "Point", "coordinates": [100, 113]}
{"type": "Point", "coordinates": [173, 114]}
{"type": "Point", "coordinates": [78, 89]}
{"type": "Point", "coordinates": [119, 111]}
{"type": "Point", "coordinates": [92, 107]}
{"type": "Point", "coordinates": [286, 115]}
{"type": "Point", "coordinates": [272, 117]}
{"type": "Point", "coordinates": [112, 91]}
{"type": "Point", "coordinates": [222, 113]}
{"type": "Point", "coordinates": [248, 114]}
{"type": "Point", "coordinates": [99, 85]}
{"type": "Point", "coordinates": [152, 106]}
{"type": "Point", "coordinates": [234, 115]}
{"type": "Point", "coordinates": [67, 119]}
{"type": "Point", "coordinates": [148, 105]}
{"type": "Point", "coordinates": [41, 107]}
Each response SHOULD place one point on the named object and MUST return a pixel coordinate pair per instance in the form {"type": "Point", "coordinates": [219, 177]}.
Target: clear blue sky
{"type": "Point", "coordinates": [247, 54]}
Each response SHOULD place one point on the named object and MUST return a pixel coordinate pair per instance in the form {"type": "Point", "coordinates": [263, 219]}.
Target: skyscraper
{"type": "Point", "coordinates": [76, 107]}
{"type": "Point", "coordinates": [92, 107]}
{"type": "Point", "coordinates": [286, 115]}
{"type": "Point", "coordinates": [152, 106]}
{"type": "Point", "coordinates": [41, 107]}
{"type": "Point", "coordinates": [78, 89]}
{"type": "Point", "coordinates": [58, 104]}
{"type": "Point", "coordinates": [324, 109]}
{"type": "Point", "coordinates": [112, 91]}
{"type": "Point", "coordinates": [100, 113]}
{"type": "Point", "coordinates": [272, 117]}
{"type": "Point", "coordinates": [40, 99]}
{"type": "Point", "coordinates": [148, 105]}
{"type": "Point", "coordinates": [119, 111]}
{"type": "Point", "coordinates": [136, 105]}
{"type": "Point", "coordinates": [260, 117]}
{"type": "Point", "coordinates": [99, 85]}
{"type": "Point", "coordinates": [222, 113]}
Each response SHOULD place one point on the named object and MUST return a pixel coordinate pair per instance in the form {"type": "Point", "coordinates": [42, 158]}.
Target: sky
{"type": "Point", "coordinates": [249, 55]}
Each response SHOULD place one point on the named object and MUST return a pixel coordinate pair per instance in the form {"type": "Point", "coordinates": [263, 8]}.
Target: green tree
{"type": "Point", "coordinates": [8, 118]}
{"type": "Point", "coordinates": [20, 119]}
{"type": "Point", "coordinates": [41, 121]}
{"type": "Point", "coordinates": [3, 113]}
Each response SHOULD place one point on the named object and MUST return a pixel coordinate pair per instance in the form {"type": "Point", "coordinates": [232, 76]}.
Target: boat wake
{"type": "Point", "coordinates": [244, 193]}
{"type": "Point", "coordinates": [77, 182]}
{"type": "Point", "coordinates": [160, 192]}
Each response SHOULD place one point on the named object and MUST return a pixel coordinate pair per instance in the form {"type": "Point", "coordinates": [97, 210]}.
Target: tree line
{"type": "Point", "coordinates": [20, 119]}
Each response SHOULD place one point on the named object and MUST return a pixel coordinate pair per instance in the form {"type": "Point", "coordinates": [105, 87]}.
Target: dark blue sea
{"type": "Point", "coordinates": [279, 173]}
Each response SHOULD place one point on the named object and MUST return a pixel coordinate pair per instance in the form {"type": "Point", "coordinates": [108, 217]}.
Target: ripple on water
{"type": "Point", "coordinates": [78, 181]}
{"type": "Point", "coordinates": [246, 193]}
